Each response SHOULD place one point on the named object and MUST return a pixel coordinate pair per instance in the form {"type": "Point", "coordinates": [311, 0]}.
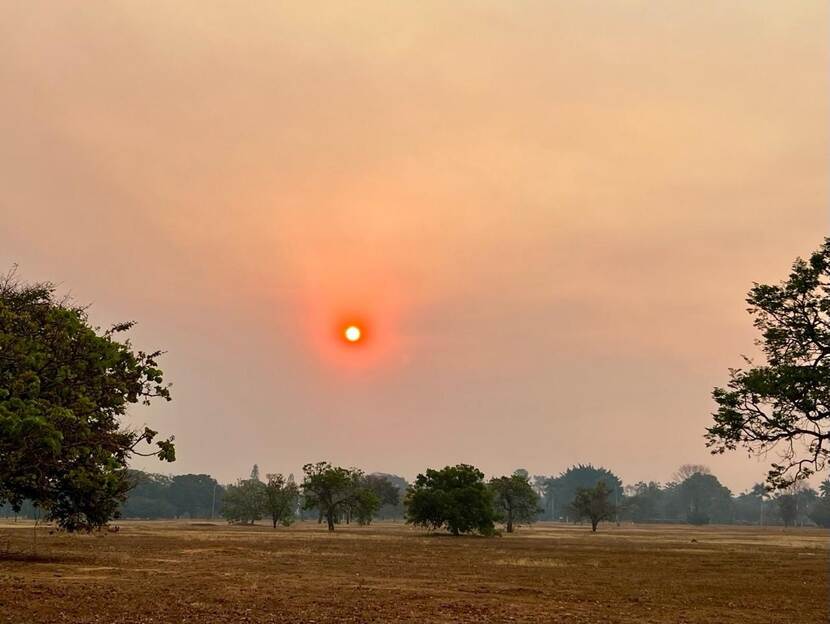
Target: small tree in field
{"type": "Point", "coordinates": [334, 491]}
{"type": "Point", "coordinates": [280, 499]}
{"type": "Point", "coordinates": [594, 504]}
{"type": "Point", "coordinates": [515, 500]}
{"type": "Point", "coordinates": [64, 387]}
{"type": "Point", "coordinates": [561, 490]}
{"type": "Point", "coordinates": [784, 403]}
{"type": "Point", "coordinates": [455, 498]}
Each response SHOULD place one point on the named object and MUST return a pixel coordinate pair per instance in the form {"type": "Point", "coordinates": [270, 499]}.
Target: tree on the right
{"type": "Point", "coordinates": [784, 402]}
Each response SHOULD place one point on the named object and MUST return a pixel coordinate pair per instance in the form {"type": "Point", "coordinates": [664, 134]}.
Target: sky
{"type": "Point", "coordinates": [544, 214]}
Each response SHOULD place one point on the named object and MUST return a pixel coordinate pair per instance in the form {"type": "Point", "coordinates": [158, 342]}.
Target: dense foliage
{"type": "Point", "coordinates": [281, 496]}
{"type": "Point", "coordinates": [245, 501]}
{"type": "Point", "coordinates": [162, 496]}
{"type": "Point", "coordinates": [338, 492]}
{"type": "Point", "coordinates": [64, 387]}
{"type": "Point", "coordinates": [390, 489]}
{"type": "Point", "coordinates": [819, 512]}
{"type": "Point", "coordinates": [698, 498]}
{"type": "Point", "coordinates": [193, 495]}
{"type": "Point", "coordinates": [784, 403]}
{"type": "Point", "coordinates": [705, 500]}
{"type": "Point", "coordinates": [515, 500]}
{"type": "Point", "coordinates": [693, 499]}
{"type": "Point", "coordinates": [455, 498]}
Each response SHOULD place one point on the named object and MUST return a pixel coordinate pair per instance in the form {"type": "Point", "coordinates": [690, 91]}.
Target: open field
{"type": "Point", "coordinates": [183, 572]}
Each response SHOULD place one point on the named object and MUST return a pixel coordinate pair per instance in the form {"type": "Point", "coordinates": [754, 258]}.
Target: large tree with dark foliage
{"type": "Point", "coordinates": [704, 499]}
{"type": "Point", "coordinates": [644, 502]}
{"type": "Point", "coordinates": [784, 403]}
{"type": "Point", "coordinates": [515, 500]}
{"type": "Point", "coordinates": [149, 496]}
{"type": "Point", "coordinates": [64, 386]}
{"type": "Point", "coordinates": [163, 496]}
{"type": "Point", "coordinates": [336, 492]}
{"type": "Point", "coordinates": [455, 497]}
{"type": "Point", "coordinates": [192, 494]}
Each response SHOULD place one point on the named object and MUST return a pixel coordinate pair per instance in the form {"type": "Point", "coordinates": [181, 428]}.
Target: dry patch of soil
{"type": "Point", "coordinates": [158, 572]}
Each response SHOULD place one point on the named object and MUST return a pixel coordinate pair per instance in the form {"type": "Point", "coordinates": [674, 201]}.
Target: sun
{"type": "Point", "coordinates": [352, 333]}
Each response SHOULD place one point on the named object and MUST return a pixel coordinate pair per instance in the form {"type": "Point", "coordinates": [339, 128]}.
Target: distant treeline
{"type": "Point", "coordinates": [157, 496]}
{"type": "Point", "coordinates": [693, 496]}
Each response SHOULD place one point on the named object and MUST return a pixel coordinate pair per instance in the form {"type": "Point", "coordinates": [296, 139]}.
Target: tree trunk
{"type": "Point", "coordinates": [509, 520]}
{"type": "Point", "coordinates": [274, 518]}
{"type": "Point", "coordinates": [319, 516]}
{"type": "Point", "coordinates": [330, 520]}
{"type": "Point", "coordinates": [594, 524]}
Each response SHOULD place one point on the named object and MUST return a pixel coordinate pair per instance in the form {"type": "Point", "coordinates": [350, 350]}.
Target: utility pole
{"type": "Point", "coordinates": [213, 503]}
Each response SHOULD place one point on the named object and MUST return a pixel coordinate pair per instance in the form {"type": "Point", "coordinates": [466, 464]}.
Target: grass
{"type": "Point", "coordinates": [182, 572]}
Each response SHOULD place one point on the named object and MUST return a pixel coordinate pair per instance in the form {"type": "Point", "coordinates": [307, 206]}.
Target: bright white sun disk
{"type": "Point", "coordinates": [352, 333]}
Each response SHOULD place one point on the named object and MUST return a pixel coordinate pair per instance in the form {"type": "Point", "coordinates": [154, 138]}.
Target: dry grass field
{"type": "Point", "coordinates": [191, 572]}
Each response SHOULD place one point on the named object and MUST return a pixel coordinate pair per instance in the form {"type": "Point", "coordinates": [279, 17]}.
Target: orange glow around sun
{"type": "Point", "coordinates": [351, 313]}
{"type": "Point", "coordinates": [352, 338]}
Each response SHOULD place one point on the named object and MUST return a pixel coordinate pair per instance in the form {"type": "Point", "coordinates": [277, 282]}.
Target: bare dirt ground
{"type": "Point", "coordinates": [197, 572]}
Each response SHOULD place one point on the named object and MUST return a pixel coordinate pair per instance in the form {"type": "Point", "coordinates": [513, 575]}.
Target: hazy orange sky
{"type": "Point", "coordinates": [547, 213]}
